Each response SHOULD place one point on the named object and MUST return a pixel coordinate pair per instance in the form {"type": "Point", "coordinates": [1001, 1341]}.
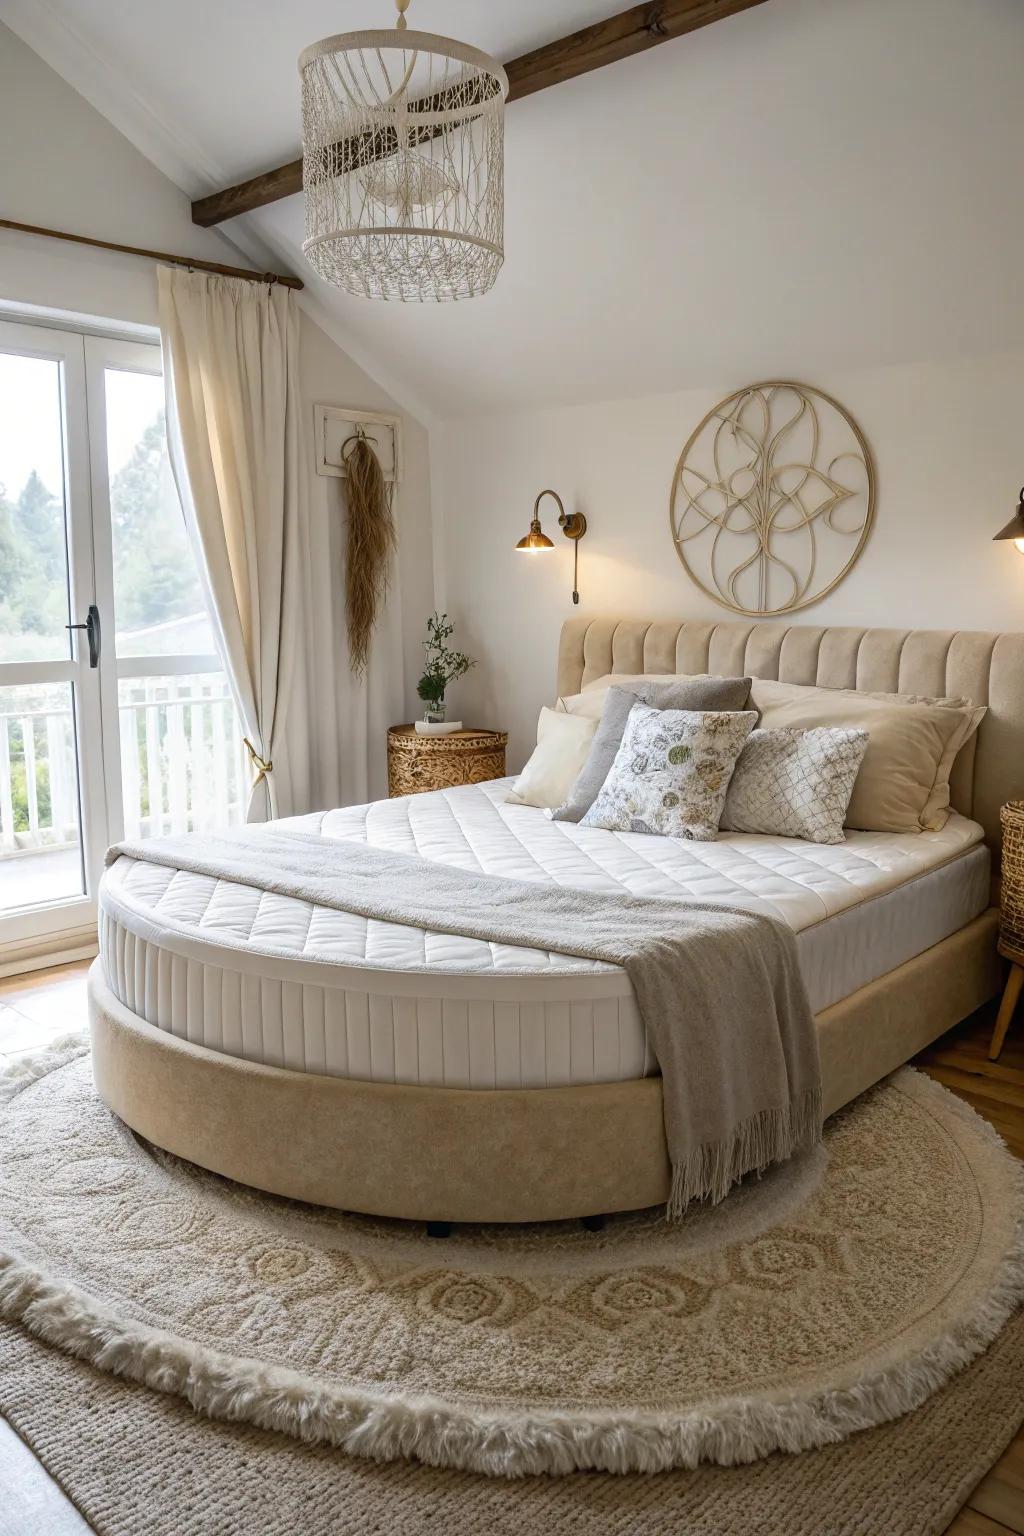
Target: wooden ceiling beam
{"type": "Point", "coordinates": [617, 37]}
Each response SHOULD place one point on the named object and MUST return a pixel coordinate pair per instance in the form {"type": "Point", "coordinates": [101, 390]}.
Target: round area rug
{"type": "Point", "coordinates": [833, 1294]}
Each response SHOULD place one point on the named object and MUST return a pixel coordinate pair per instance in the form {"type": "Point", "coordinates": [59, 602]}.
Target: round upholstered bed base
{"type": "Point", "coordinates": [453, 1154]}
{"type": "Point", "coordinates": [427, 1154]}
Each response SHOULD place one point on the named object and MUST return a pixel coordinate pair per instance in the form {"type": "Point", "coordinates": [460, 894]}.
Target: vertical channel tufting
{"type": "Point", "coordinates": [335, 1033]}
{"type": "Point", "coordinates": [480, 1039]}
{"type": "Point", "coordinates": [606, 1039]}
{"type": "Point", "coordinates": [293, 1026]}
{"type": "Point", "coordinates": [798, 654]}
{"type": "Point", "coordinates": [558, 1045]}
{"type": "Point", "coordinates": [763, 650]}
{"type": "Point", "coordinates": [178, 1010]}
{"type": "Point", "coordinates": [727, 649]}
{"type": "Point", "coordinates": [923, 663]}
{"type": "Point", "coordinates": [148, 963]}
{"type": "Point", "coordinates": [880, 660]}
{"type": "Point", "coordinates": [212, 1034]}
{"type": "Point", "coordinates": [314, 1033]}
{"type": "Point", "coordinates": [837, 658]}
{"type": "Point", "coordinates": [968, 672]}
{"type": "Point", "coordinates": [357, 1035]}
{"type": "Point", "coordinates": [231, 1012]}
{"type": "Point", "coordinates": [660, 648]}
{"type": "Point", "coordinates": [270, 1005]}
{"type": "Point", "coordinates": [506, 1045]}
{"type": "Point", "coordinates": [407, 1064]}
{"type": "Point", "coordinates": [532, 1045]}
{"type": "Point", "coordinates": [430, 1041]}
{"type": "Point", "coordinates": [581, 1042]}
{"type": "Point", "coordinates": [195, 1000]}
{"type": "Point", "coordinates": [693, 648]}
{"type": "Point", "coordinates": [250, 1016]}
{"type": "Point", "coordinates": [381, 1038]}
{"type": "Point", "coordinates": [455, 1042]}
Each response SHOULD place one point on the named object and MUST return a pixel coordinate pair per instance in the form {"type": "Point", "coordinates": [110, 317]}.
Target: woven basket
{"type": "Point", "coordinates": [420, 763]}
{"type": "Point", "coordinates": [1011, 922]}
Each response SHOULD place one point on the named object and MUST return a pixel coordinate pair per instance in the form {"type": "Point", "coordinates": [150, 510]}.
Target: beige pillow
{"type": "Point", "coordinates": [630, 679]}
{"type": "Point", "coordinates": [563, 741]}
{"type": "Point", "coordinates": [903, 784]}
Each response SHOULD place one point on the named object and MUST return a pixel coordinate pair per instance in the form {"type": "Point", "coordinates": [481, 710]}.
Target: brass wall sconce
{"type": "Point", "coordinates": [572, 524]}
{"type": "Point", "coordinates": [1014, 529]}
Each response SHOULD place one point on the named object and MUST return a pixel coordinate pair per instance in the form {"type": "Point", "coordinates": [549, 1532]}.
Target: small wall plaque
{"type": "Point", "coordinates": [335, 424]}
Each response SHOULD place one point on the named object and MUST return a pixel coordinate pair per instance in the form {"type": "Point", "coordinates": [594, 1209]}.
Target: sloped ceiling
{"type": "Point", "coordinates": [812, 185]}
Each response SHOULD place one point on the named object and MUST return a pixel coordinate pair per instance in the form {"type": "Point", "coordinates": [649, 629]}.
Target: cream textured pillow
{"type": "Point", "coordinates": [791, 783]}
{"type": "Point", "coordinates": [903, 784]}
{"type": "Point", "coordinates": [590, 704]}
{"type": "Point", "coordinates": [563, 742]}
{"type": "Point", "coordinates": [671, 772]}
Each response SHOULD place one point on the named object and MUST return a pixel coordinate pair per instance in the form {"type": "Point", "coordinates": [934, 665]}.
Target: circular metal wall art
{"type": "Point", "coordinates": [773, 499]}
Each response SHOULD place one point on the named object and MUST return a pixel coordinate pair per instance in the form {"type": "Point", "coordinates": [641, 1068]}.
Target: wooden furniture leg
{"type": "Point", "coordinates": [1014, 983]}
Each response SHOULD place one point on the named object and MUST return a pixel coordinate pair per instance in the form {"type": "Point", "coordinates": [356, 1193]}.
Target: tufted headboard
{"type": "Point", "coordinates": [985, 668]}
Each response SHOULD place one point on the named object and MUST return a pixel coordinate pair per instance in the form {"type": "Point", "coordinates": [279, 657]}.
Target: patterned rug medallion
{"type": "Point", "coordinates": [833, 1294]}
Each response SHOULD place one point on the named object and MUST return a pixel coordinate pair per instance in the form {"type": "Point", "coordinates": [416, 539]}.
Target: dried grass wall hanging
{"type": "Point", "coordinates": [371, 544]}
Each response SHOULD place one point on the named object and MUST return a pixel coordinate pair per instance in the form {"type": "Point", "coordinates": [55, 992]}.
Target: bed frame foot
{"type": "Point", "coordinates": [592, 1223]}
{"type": "Point", "coordinates": [439, 1229]}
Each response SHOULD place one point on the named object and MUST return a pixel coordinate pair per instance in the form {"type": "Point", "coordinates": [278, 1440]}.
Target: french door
{"type": "Point", "coordinates": [115, 713]}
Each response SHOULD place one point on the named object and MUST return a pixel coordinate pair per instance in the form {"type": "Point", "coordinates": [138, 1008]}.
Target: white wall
{"type": "Point", "coordinates": [949, 450]}
{"type": "Point", "coordinates": [65, 167]}
{"type": "Point", "coordinates": [815, 190]}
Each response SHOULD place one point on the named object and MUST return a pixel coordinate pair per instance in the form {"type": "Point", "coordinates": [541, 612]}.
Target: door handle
{"type": "Point", "coordinates": [92, 633]}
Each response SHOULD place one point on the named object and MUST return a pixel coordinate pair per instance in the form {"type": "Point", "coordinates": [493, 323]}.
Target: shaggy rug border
{"type": "Point", "coordinates": [507, 1443]}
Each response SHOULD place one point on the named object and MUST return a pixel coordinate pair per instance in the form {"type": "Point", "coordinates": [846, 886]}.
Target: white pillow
{"type": "Point", "coordinates": [671, 772]}
{"type": "Point", "coordinates": [791, 783]}
{"type": "Point", "coordinates": [589, 705]}
{"type": "Point", "coordinates": [563, 742]}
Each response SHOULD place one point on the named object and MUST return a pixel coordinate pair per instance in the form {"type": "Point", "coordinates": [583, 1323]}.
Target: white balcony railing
{"type": "Point", "coordinates": [183, 767]}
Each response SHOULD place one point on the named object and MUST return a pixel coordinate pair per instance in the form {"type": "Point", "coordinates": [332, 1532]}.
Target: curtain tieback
{"type": "Point", "coordinates": [263, 768]}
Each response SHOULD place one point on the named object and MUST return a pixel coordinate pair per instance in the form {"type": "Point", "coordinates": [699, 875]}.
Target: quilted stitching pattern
{"type": "Point", "coordinates": [795, 783]}
{"type": "Point", "coordinates": [287, 1013]}
{"type": "Point", "coordinates": [472, 827]}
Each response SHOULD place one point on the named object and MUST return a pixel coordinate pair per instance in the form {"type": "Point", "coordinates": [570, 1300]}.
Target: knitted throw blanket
{"type": "Point", "coordinates": [720, 990]}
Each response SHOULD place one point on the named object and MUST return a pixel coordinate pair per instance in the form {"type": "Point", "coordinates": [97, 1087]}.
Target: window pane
{"type": "Point", "coordinates": [33, 547]}
{"type": "Point", "coordinates": [40, 843]}
{"type": "Point", "coordinates": [158, 602]}
{"type": "Point", "coordinates": [183, 766]}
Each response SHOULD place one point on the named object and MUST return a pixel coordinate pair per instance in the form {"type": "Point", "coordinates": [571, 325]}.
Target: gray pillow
{"type": "Point", "coordinates": [694, 693]}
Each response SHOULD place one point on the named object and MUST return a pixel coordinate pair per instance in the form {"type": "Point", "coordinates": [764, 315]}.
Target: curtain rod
{"type": "Point", "coordinates": [285, 279]}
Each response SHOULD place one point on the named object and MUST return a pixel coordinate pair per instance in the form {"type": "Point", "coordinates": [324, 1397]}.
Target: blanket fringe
{"type": "Point", "coordinates": [710, 1170]}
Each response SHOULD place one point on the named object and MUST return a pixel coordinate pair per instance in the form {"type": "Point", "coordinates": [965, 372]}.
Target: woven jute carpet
{"type": "Point", "coordinates": [833, 1295]}
{"type": "Point", "coordinates": [140, 1464]}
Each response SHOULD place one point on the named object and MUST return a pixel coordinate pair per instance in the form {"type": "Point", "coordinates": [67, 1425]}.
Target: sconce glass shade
{"type": "Point", "coordinates": [1015, 527]}
{"type": "Point", "coordinates": [536, 538]}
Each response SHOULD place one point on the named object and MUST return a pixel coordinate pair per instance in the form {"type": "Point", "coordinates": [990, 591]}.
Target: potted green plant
{"type": "Point", "coordinates": [443, 667]}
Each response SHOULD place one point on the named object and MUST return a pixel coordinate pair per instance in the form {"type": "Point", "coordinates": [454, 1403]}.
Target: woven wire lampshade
{"type": "Point", "coordinates": [403, 146]}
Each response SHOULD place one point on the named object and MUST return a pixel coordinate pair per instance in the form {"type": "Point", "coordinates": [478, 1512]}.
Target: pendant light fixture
{"type": "Point", "coordinates": [1015, 527]}
{"type": "Point", "coordinates": [403, 163]}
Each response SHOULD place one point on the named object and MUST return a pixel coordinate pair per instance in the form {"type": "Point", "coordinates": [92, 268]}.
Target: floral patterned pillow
{"type": "Point", "coordinates": [671, 772]}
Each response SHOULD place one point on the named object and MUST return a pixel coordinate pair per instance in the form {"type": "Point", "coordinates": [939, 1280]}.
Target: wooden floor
{"type": "Point", "coordinates": [38, 1008]}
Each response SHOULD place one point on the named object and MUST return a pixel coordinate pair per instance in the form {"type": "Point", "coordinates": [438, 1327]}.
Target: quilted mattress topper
{"type": "Point", "coordinates": [474, 827]}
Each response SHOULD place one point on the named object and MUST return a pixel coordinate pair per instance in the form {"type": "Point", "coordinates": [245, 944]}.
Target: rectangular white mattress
{"type": "Point", "coordinates": [281, 981]}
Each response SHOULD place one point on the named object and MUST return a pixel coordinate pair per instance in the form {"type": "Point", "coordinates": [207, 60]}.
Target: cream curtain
{"type": "Point", "coordinates": [231, 372]}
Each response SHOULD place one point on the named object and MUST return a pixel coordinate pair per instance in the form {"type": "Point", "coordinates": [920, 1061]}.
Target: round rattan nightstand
{"type": "Point", "coordinates": [418, 763]}
{"type": "Point", "coordinates": [1011, 917]}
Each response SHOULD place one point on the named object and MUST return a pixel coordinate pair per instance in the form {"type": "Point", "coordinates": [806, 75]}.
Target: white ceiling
{"type": "Point", "coordinates": [811, 186]}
